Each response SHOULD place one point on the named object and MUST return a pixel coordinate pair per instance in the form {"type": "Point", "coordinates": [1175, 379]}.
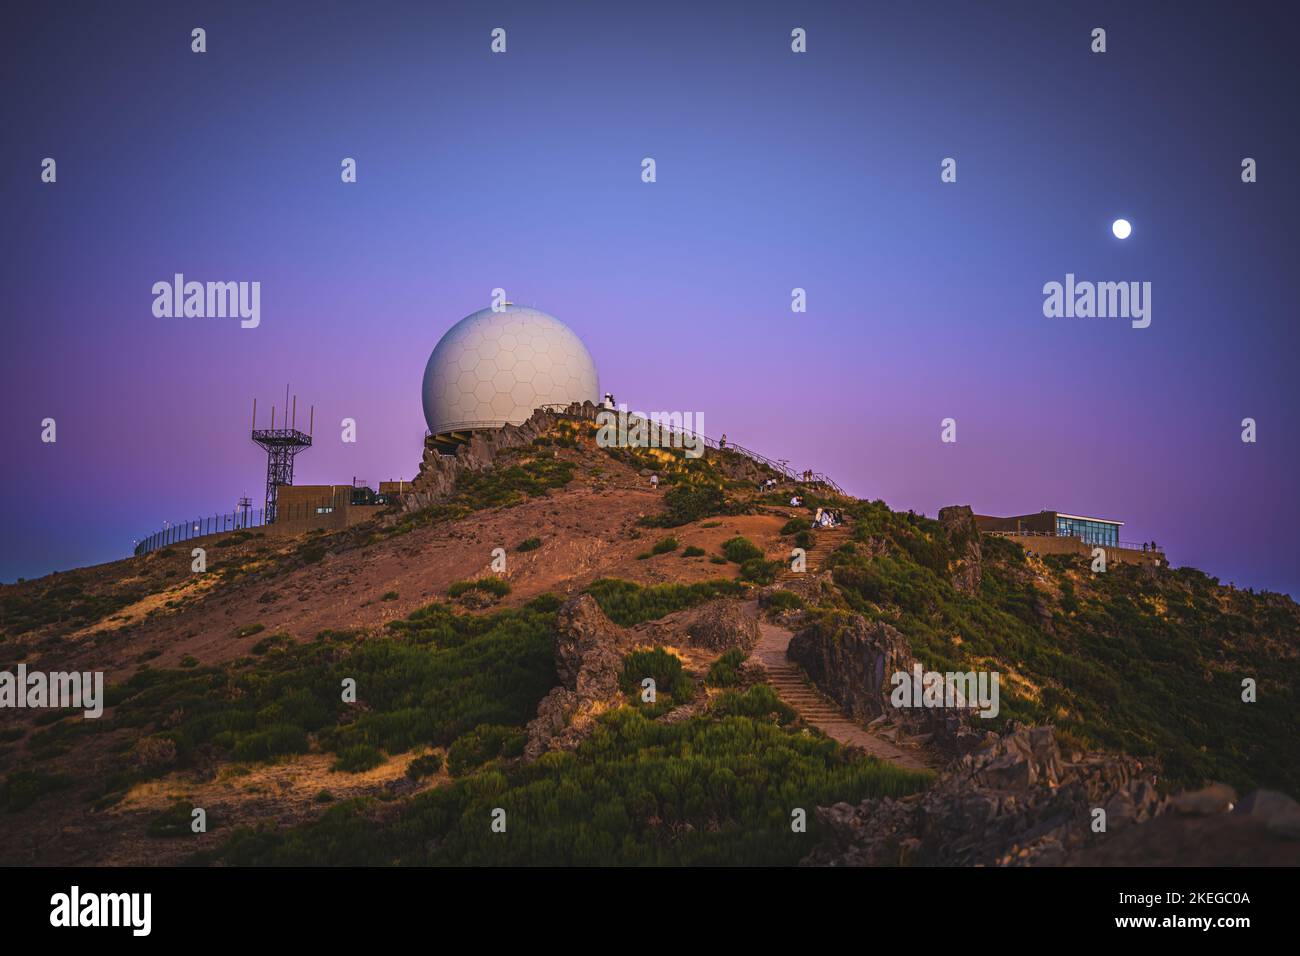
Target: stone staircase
{"type": "Point", "coordinates": [827, 540]}
{"type": "Point", "coordinates": [793, 687]}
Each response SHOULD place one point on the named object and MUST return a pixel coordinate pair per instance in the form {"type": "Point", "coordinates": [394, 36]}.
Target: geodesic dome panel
{"type": "Point", "coordinates": [497, 367]}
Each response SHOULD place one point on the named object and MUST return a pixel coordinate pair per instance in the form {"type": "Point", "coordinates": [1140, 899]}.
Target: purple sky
{"type": "Point", "coordinates": [775, 170]}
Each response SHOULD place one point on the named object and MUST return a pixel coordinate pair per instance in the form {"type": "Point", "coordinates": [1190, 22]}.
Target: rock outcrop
{"type": "Point", "coordinates": [967, 568]}
{"type": "Point", "coordinates": [722, 625]}
{"type": "Point", "coordinates": [588, 658]}
{"type": "Point", "coordinates": [717, 625]}
{"type": "Point", "coordinates": [1015, 801]}
{"type": "Point", "coordinates": [1207, 827]}
{"type": "Point", "coordinates": [438, 473]}
{"type": "Point", "coordinates": [852, 660]}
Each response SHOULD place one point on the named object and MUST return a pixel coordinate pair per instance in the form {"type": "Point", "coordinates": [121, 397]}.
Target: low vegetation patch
{"type": "Point", "coordinates": [672, 686]}
{"type": "Point", "coordinates": [497, 587]}
{"type": "Point", "coordinates": [517, 476]}
{"type": "Point", "coordinates": [60, 603]}
{"type": "Point", "coordinates": [704, 791]}
{"type": "Point", "coordinates": [428, 680]}
{"type": "Point", "coordinates": [484, 743]}
{"type": "Point", "coordinates": [628, 603]}
{"type": "Point", "coordinates": [686, 503]}
{"type": "Point", "coordinates": [22, 788]}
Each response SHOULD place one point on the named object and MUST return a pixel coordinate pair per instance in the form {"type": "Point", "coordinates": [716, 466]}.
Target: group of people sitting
{"type": "Point", "coordinates": [827, 518]}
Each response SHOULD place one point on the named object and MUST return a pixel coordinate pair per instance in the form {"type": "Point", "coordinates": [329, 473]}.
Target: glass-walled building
{"type": "Point", "coordinates": [1098, 531]}
{"type": "Point", "coordinates": [1089, 530]}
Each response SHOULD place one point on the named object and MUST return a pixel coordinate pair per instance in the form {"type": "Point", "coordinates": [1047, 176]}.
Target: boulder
{"type": "Point", "coordinates": [1215, 798]}
{"type": "Point", "coordinates": [723, 624]}
{"type": "Point", "coordinates": [1279, 812]}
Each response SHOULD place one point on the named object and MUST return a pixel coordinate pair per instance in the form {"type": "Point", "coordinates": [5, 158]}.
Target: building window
{"type": "Point", "coordinates": [1090, 532]}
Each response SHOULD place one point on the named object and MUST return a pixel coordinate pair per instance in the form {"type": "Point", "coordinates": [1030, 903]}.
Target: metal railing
{"type": "Point", "coordinates": [240, 521]}
{"type": "Point", "coordinates": [807, 476]}
{"type": "Point", "coordinates": [1147, 546]}
{"type": "Point", "coordinates": [199, 527]}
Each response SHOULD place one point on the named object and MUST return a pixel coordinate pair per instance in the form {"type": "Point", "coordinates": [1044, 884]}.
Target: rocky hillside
{"type": "Point", "coordinates": [1144, 661]}
{"type": "Point", "coordinates": [543, 642]}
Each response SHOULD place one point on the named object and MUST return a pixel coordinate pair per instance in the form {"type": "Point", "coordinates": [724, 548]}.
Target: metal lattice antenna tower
{"type": "Point", "coordinates": [282, 445]}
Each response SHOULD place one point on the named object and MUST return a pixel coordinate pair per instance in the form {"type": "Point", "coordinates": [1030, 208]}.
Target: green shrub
{"type": "Point", "coordinates": [758, 571]}
{"type": "Point", "coordinates": [529, 544]}
{"type": "Point", "coordinates": [547, 603]}
{"type": "Point", "coordinates": [389, 596]}
{"type": "Point", "coordinates": [686, 503]}
{"type": "Point", "coordinates": [498, 587]}
{"type": "Point", "coordinates": [795, 525]}
{"type": "Point", "coordinates": [738, 550]}
{"type": "Point", "coordinates": [672, 685]}
{"type": "Point", "coordinates": [693, 552]}
{"type": "Point", "coordinates": [276, 741]}
{"type": "Point", "coordinates": [782, 601]}
{"type": "Point", "coordinates": [425, 766]}
{"type": "Point", "coordinates": [22, 788]}
{"type": "Point", "coordinates": [275, 641]}
{"type": "Point", "coordinates": [664, 546]}
{"type": "Point", "coordinates": [312, 553]}
{"type": "Point", "coordinates": [725, 671]}
{"type": "Point", "coordinates": [806, 540]}
{"type": "Point", "coordinates": [760, 702]}
{"type": "Point", "coordinates": [358, 758]}
{"type": "Point", "coordinates": [485, 742]}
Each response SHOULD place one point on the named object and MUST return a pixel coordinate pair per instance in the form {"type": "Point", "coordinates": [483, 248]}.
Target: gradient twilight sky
{"type": "Point", "coordinates": [775, 170]}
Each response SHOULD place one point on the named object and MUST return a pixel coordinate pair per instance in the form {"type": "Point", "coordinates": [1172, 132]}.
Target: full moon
{"type": "Point", "coordinates": [1121, 228]}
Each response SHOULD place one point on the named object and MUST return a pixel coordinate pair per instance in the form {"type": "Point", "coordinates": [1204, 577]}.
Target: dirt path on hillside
{"type": "Point", "coordinates": [817, 709]}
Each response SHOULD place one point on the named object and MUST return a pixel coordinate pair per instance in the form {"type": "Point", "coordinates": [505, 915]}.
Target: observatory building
{"type": "Point", "coordinates": [495, 368]}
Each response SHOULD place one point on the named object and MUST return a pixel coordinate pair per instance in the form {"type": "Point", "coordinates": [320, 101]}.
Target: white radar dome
{"type": "Point", "coordinates": [495, 368]}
